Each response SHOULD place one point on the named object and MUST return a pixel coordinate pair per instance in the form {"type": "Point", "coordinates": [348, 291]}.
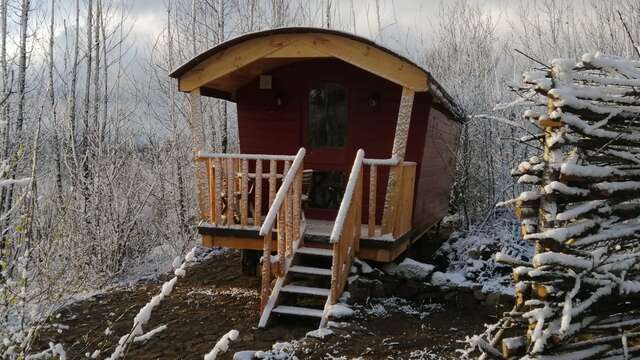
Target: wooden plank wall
{"type": "Point", "coordinates": [436, 171]}
{"type": "Point", "coordinates": [267, 128]}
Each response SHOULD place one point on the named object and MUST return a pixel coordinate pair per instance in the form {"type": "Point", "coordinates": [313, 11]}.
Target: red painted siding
{"type": "Point", "coordinates": [436, 170]}
{"type": "Point", "coordinates": [267, 128]}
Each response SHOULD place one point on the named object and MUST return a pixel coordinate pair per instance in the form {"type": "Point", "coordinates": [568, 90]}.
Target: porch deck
{"type": "Point", "coordinates": [382, 248]}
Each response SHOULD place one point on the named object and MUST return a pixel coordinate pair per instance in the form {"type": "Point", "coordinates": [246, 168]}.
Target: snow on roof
{"type": "Point", "coordinates": [435, 88]}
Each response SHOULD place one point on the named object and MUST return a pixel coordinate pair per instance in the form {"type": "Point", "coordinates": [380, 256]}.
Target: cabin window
{"type": "Point", "coordinates": [327, 116]}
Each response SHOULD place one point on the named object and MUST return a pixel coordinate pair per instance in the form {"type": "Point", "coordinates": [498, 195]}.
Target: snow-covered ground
{"type": "Point", "coordinates": [470, 255]}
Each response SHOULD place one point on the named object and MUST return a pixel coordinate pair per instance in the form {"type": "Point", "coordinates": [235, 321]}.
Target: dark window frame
{"type": "Point", "coordinates": [327, 140]}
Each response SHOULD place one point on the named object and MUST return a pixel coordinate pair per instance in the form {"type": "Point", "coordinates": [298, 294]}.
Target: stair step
{"type": "Point", "coordinates": [314, 251]}
{"type": "Point", "coordinates": [306, 290]}
{"type": "Point", "coordinates": [310, 270]}
{"type": "Point", "coordinates": [298, 311]}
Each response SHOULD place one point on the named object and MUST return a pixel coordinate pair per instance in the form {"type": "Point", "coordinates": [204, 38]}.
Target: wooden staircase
{"type": "Point", "coordinates": [304, 289]}
{"type": "Point", "coordinates": [312, 279]}
{"type": "Point", "coordinates": [299, 279]}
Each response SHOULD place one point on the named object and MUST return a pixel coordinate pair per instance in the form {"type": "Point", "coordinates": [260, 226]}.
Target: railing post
{"type": "Point", "coordinates": [373, 187]}
{"type": "Point", "coordinates": [281, 241]}
{"type": "Point", "coordinates": [286, 229]}
{"type": "Point", "coordinates": [212, 195]}
{"type": "Point", "coordinates": [231, 191]}
{"type": "Point", "coordinates": [199, 143]}
{"type": "Point", "coordinates": [297, 202]}
{"type": "Point", "coordinates": [335, 273]}
{"type": "Point", "coordinates": [218, 191]}
{"type": "Point", "coordinates": [398, 151]}
{"type": "Point", "coordinates": [289, 217]}
{"type": "Point", "coordinates": [273, 168]}
{"type": "Point", "coordinates": [244, 193]}
{"type": "Point", "coordinates": [257, 201]}
{"type": "Point", "coordinates": [266, 271]}
{"type": "Point", "coordinates": [358, 217]}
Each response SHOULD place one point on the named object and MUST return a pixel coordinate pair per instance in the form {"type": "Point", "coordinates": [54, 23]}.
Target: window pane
{"type": "Point", "coordinates": [327, 116]}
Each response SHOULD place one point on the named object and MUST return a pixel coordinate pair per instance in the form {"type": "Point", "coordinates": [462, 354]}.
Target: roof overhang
{"type": "Point", "coordinates": [222, 70]}
{"type": "Point", "coordinates": [230, 65]}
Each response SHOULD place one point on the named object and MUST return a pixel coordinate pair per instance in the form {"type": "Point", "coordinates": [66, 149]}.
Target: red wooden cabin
{"type": "Point", "coordinates": [347, 150]}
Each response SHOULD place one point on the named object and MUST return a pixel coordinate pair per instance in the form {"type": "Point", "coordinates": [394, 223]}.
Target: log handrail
{"type": "Point", "coordinates": [203, 155]}
{"type": "Point", "coordinates": [347, 199]}
{"type": "Point", "coordinates": [235, 193]}
{"type": "Point", "coordinates": [285, 217]}
{"type": "Point", "coordinates": [392, 161]}
{"type": "Point", "coordinates": [402, 199]}
{"type": "Point", "coordinates": [282, 192]}
{"type": "Point", "coordinates": [345, 236]}
{"type": "Point", "coordinates": [346, 232]}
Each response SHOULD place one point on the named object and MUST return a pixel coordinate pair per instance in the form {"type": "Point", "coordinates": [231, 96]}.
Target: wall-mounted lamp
{"type": "Point", "coordinates": [373, 100]}
{"type": "Point", "coordinates": [266, 82]}
{"type": "Point", "coordinates": [280, 99]}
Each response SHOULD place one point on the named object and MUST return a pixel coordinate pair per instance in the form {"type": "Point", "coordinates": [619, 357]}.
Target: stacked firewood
{"type": "Point", "coordinates": [579, 297]}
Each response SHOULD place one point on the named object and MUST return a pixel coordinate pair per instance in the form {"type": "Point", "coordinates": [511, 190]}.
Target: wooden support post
{"type": "Point", "coordinates": [273, 168]}
{"type": "Point", "coordinates": [286, 206]}
{"type": "Point", "coordinates": [373, 186]}
{"type": "Point", "coordinates": [199, 141]}
{"type": "Point", "coordinates": [231, 189]}
{"type": "Point", "coordinates": [297, 203]}
{"type": "Point", "coordinates": [244, 193]}
{"type": "Point", "coordinates": [212, 190]}
{"type": "Point", "coordinates": [398, 151]}
{"type": "Point", "coordinates": [289, 217]}
{"type": "Point", "coordinates": [218, 190]}
{"type": "Point", "coordinates": [358, 216]}
{"type": "Point", "coordinates": [281, 240]}
{"type": "Point", "coordinates": [335, 273]}
{"type": "Point", "coordinates": [257, 212]}
{"type": "Point", "coordinates": [266, 271]}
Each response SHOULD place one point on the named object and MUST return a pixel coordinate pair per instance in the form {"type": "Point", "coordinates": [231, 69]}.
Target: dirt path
{"type": "Point", "coordinates": [215, 297]}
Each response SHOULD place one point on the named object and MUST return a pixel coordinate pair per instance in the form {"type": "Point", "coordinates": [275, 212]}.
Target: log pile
{"type": "Point", "coordinates": [578, 298]}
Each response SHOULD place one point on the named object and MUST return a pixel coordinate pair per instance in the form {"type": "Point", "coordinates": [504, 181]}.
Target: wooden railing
{"type": "Point", "coordinates": [398, 211]}
{"type": "Point", "coordinates": [285, 218]}
{"type": "Point", "coordinates": [235, 192]}
{"type": "Point", "coordinates": [345, 236]}
{"type": "Point", "coordinates": [347, 229]}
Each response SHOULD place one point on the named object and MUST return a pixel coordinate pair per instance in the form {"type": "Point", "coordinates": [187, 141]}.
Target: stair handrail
{"type": "Point", "coordinates": [210, 155]}
{"type": "Point", "coordinates": [267, 225]}
{"type": "Point", "coordinates": [288, 227]}
{"type": "Point", "coordinates": [345, 247]}
{"type": "Point", "coordinates": [349, 191]}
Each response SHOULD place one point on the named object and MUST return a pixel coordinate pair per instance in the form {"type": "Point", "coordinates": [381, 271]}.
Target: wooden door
{"type": "Point", "coordinates": [326, 117]}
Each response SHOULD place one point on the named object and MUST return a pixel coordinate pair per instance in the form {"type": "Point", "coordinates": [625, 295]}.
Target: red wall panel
{"type": "Point", "coordinates": [270, 129]}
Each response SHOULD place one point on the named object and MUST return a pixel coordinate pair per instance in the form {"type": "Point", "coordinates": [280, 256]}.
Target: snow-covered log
{"type": "Point", "coordinates": [578, 297]}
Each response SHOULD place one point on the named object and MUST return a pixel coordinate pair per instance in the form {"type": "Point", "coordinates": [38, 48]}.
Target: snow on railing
{"type": "Point", "coordinates": [229, 185]}
{"type": "Point", "coordinates": [282, 192]}
{"type": "Point", "coordinates": [403, 170]}
{"type": "Point", "coordinates": [392, 161]}
{"type": "Point", "coordinates": [209, 155]}
{"type": "Point", "coordinates": [345, 236]}
{"type": "Point", "coordinates": [284, 216]}
{"type": "Point", "coordinates": [347, 199]}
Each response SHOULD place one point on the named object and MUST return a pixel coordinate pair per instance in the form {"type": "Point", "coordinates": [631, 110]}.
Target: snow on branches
{"type": "Point", "coordinates": [578, 297]}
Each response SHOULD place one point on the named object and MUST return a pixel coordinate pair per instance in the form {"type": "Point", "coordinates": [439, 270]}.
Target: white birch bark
{"type": "Point", "coordinates": [398, 152]}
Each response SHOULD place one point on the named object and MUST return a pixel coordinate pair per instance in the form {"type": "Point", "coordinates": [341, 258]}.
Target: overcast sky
{"type": "Point", "coordinates": [400, 18]}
